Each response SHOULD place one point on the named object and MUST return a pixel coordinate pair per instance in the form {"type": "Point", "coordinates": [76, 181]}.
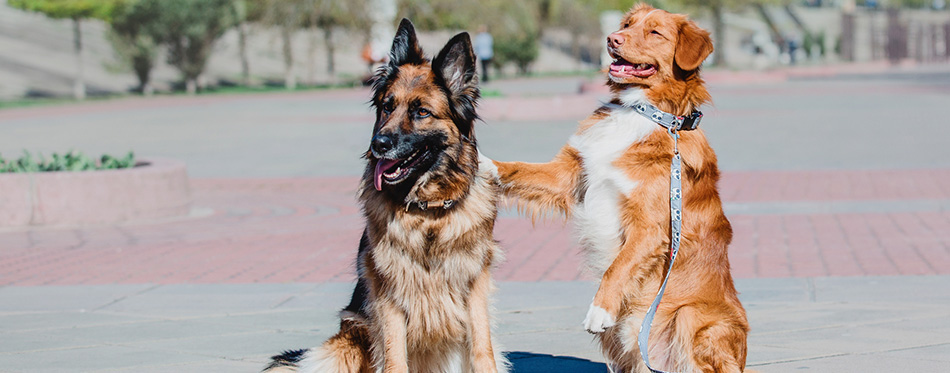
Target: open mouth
{"type": "Point", "coordinates": [622, 68]}
{"type": "Point", "coordinates": [395, 170]}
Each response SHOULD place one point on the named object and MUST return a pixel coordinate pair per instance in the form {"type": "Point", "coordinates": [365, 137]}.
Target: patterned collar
{"type": "Point", "coordinates": [670, 121]}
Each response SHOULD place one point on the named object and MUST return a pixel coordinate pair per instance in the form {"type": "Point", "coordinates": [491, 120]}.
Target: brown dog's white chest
{"type": "Point", "coordinates": [597, 216]}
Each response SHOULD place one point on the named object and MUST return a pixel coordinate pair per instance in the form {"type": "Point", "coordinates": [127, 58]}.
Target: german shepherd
{"type": "Point", "coordinates": [422, 300]}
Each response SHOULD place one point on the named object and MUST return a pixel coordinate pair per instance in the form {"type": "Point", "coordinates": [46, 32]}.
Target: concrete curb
{"type": "Point", "coordinates": [157, 188]}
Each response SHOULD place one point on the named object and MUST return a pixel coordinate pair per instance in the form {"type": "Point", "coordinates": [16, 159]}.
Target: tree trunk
{"type": "Point", "coordinates": [191, 86]}
{"type": "Point", "coordinates": [331, 50]}
{"type": "Point", "coordinates": [242, 46]}
{"type": "Point", "coordinates": [290, 79]}
{"type": "Point", "coordinates": [79, 85]}
{"type": "Point", "coordinates": [719, 35]}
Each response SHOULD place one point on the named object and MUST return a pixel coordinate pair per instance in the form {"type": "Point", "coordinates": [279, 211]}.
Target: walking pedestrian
{"type": "Point", "coordinates": [484, 50]}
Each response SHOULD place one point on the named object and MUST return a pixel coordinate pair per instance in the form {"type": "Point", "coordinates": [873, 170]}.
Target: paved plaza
{"type": "Point", "coordinates": [836, 181]}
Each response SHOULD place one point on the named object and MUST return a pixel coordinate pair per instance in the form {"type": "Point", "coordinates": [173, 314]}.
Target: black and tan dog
{"type": "Point", "coordinates": [422, 299]}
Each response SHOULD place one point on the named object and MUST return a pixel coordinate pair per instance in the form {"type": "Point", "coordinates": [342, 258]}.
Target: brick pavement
{"type": "Point", "coordinates": [307, 229]}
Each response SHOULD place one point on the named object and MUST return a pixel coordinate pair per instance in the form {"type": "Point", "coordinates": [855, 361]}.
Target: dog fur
{"type": "Point", "coordinates": [613, 178]}
{"type": "Point", "coordinates": [422, 300]}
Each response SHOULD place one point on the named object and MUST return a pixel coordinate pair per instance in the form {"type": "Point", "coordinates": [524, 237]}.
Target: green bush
{"type": "Point", "coordinates": [72, 161]}
{"type": "Point", "coordinates": [520, 50]}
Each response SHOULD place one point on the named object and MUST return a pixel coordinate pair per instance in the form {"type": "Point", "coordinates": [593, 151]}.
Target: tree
{"type": "Point", "coordinates": [288, 16]}
{"type": "Point", "coordinates": [328, 15]}
{"type": "Point", "coordinates": [242, 11]}
{"type": "Point", "coordinates": [77, 10]}
{"type": "Point", "coordinates": [189, 29]}
{"type": "Point", "coordinates": [717, 8]}
{"type": "Point", "coordinates": [133, 29]}
{"type": "Point", "coordinates": [514, 24]}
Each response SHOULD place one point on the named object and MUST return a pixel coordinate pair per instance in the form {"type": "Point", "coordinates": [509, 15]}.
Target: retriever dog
{"type": "Point", "coordinates": [422, 300]}
{"type": "Point", "coordinates": [613, 177]}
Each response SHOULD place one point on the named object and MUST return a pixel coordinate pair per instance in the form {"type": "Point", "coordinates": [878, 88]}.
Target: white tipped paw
{"type": "Point", "coordinates": [485, 164]}
{"type": "Point", "coordinates": [598, 320]}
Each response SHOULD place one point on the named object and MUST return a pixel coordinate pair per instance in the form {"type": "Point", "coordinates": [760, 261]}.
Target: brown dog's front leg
{"type": "Point", "coordinates": [393, 324]}
{"type": "Point", "coordinates": [482, 353]}
{"type": "Point", "coordinates": [637, 257]}
{"type": "Point", "coordinates": [543, 187]}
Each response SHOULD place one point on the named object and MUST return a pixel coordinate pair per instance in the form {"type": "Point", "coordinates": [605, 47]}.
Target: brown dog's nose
{"type": "Point", "coordinates": [615, 40]}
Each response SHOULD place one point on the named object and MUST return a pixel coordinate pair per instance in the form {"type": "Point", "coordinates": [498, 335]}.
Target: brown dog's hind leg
{"type": "Point", "coordinates": [720, 347]}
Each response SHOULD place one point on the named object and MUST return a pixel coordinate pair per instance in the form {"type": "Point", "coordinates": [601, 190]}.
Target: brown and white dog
{"type": "Point", "coordinates": [422, 300]}
{"type": "Point", "coordinates": [613, 177]}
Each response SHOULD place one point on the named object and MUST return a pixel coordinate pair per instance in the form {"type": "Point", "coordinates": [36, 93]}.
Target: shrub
{"type": "Point", "coordinates": [520, 50]}
{"type": "Point", "coordinates": [72, 161]}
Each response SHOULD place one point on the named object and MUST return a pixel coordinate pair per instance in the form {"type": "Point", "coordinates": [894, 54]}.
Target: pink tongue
{"type": "Point", "coordinates": [381, 166]}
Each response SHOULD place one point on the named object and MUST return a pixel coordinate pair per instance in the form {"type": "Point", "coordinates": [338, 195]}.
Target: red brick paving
{"type": "Point", "coordinates": [307, 230]}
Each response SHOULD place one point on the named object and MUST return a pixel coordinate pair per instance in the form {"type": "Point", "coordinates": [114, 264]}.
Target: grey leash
{"type": "Point", "coordinates": [673, 124]}
{"type": "Point", "coordinates": [676, 222]}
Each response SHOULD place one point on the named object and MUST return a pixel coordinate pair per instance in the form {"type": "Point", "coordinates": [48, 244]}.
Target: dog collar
{"type": "Point", "coordinates": [425, 205]}
{"type": "Point", "coordinates": [670, 121]}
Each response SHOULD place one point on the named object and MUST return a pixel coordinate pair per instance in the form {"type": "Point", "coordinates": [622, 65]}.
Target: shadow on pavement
{"type": "Point", "coordinates": [527, 362]}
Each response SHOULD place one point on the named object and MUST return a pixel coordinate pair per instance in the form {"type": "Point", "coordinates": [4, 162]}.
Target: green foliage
{"type": "Point", "coordinates": [189, 30]}
{"type": "Point", "coordinates": [101, 9]}
{"type": "Point", "coordinates": [133, 33]}
{"type": "Point", "coordinates": [519, 50]}
{"type": "Point", "coordinates": [71, 161]}
{"type": "Point", "coordinates": [915, 4]}
{"type": "Point", "coordinates": [515, 25]}
{"type": "Point", "coordinates": [814, 39]}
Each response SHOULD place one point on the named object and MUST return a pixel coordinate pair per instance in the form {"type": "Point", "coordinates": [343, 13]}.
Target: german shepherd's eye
{"type": "Point", "coordinates": [423, 113]}
{"type": "Point", "coordinates": [389, 106]}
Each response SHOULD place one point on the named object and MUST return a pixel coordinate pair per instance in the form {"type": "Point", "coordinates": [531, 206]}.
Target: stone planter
{"type": "Point", "coordinates": [153, 189]}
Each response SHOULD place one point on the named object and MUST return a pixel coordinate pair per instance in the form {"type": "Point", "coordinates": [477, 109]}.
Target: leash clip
{"type": "Point", "coordinates": [691, 121]}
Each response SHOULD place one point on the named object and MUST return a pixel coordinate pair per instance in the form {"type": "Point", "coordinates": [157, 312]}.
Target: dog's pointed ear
{"type": "Point", "coordinates": [455, 66]}
{"type": "Point", "coordinates": [406, 48]}
{"type": "Point", "coordinates": [692, 46]}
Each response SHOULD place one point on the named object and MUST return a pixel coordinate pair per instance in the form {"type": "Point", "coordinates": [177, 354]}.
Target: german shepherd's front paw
{"type": "Point", "coordinates": [598, 319]}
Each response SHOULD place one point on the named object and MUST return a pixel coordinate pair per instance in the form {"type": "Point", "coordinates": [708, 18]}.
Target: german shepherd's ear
{"type": "Point", "coordinates": [692, 46]}
{"type": "Point", "coordinates": [455, 67]}
{"type": "Point", "coordinates": [406, 48]}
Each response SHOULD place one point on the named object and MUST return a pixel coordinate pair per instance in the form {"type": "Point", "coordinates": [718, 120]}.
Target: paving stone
{"type": "Point", "coordinates": [855, 364]}
{"type": "Point", "coordinates": [65, 298]}
{"type": "Point", "coordinates": [95, 358]}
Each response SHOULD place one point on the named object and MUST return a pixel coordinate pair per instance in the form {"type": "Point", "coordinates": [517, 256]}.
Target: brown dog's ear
{"type": "Point", "coordinates": [692, 46]}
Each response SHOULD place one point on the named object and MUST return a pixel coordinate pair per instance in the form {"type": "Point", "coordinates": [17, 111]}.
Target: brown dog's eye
{"type": "Point", "coordinates": [625, 25]}
{"type": "Point", "coordinates": [654, 32]}
{"type": "Point", "coordinates": [423, 113]}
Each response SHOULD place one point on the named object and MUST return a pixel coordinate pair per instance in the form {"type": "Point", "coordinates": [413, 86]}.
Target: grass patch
{"type": "Point", "coordinates": [71, 161]}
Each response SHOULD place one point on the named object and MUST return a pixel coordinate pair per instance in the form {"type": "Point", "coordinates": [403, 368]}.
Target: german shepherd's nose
{"type": "Point", "coordinates": [383, 143]}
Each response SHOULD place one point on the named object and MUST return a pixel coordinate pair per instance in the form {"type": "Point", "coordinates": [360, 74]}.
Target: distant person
{"type": "Point", "coordinates": [792, 50]}
{"type": "Point", "coordinates": [484, 49]}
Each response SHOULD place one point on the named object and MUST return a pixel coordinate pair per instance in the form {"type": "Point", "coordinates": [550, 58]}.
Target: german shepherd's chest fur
{"type": "Point", "coordinates": [426, 264]}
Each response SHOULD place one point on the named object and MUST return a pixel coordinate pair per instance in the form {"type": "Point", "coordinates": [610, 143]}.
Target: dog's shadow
{"type": "Point", "coordinates": [529, 362]}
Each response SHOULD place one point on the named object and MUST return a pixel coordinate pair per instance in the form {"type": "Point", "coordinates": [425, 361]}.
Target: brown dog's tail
{"type": "Point", "coordinates": [345, 352]}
